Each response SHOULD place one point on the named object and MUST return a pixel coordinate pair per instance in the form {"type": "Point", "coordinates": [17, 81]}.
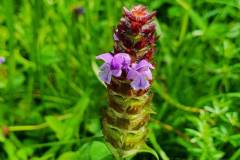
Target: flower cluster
{"type": "Point", "coordinates": [115, 65]}
{"type": "Point", "coordinates": [134, 45]}
{"type": "Point", "coordinates": [2, 60]}
{"type": "Point", "coordinates": [127, 74]}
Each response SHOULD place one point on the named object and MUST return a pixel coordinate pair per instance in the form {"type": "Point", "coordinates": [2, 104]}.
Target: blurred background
{"type": "Point", "coordinates": [51, 98]}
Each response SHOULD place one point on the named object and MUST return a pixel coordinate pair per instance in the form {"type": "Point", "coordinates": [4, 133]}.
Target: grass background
{"type": "Point", "coordinates": [51, 99]}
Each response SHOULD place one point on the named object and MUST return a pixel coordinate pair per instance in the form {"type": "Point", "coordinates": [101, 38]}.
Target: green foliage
{"type": "Point", "coordinates": [51, 99]}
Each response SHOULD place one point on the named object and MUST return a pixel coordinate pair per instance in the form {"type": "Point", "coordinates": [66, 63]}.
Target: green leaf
{"type": "Point", "coordinates": [99, 150]}
{"type": "Point", "coordinates": [11, 150]}
{"type": "Point", "coordinates": [71, 127]}
{"type": "Point", "coordinates": [2, 137]}
{"type": "Point", "coordinates": [84, 152]}
{"type": "Point", "coordinates": [69, 155]}
{"type": "Point", "coordinates": [49, 56]}
{"type": "Point", "coordinates": [56, 126]}
{"type": "Point", "coordinates": [235, 140]}
{"type": "Point", "coordinates": [236, 155]}
{"type": "Point", "coordinates": [108, 157]}
{"type": "Point", "coordinates": [196, 18]}
{"type": "Point", "coordinates": [145, 148]}
{"type": "Point", "coordinates": [157, 146]}
{"type": "Point", "coordinates": [24, 153]}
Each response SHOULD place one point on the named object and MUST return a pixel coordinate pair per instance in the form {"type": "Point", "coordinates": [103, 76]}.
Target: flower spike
{"type": "Point", "coordinates": [127, 72]}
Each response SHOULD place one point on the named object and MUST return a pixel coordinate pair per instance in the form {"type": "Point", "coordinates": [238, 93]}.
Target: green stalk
{"type": "Point", "coordinates": [35, 76]}
{"type": "Point", "coordinates": [125, 120]}
{"type": "Point", "coordinates": [9, 13]}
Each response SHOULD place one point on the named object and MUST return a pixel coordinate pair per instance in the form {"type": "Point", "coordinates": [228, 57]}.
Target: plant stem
{"type": "Point", "coordinates": [170, 128]}
{"type": "Point", "coordinates": [157, 147]}
{"type": "Point", "coordinates": [9, 13]}
{"type": "Point", "coordinates": [162, 92]}
{"type": "Point", "coordinates": [37, 126]}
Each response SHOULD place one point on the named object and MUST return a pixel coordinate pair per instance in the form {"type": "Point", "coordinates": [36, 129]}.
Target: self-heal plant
{"type": "Point", "coordinates": [127, 72]}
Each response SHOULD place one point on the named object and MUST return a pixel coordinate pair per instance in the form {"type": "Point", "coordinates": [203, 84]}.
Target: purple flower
{"type": "Point", "coordinates": [2, 60]}
{"type": "Point", "coordinates": [140, 74]}
{"type": "Point", "coordinates": [113, 66]}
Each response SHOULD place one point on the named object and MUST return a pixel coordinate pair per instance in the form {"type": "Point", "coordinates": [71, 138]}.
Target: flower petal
{"type": "Point", "coordinates": [148, 74]}
{"type": "Point", "coordinates": [140, 82]}
{"type": "Point", "coordinates": [123, 58]}
{"type": "Point", "coordinates": [140, 73]}
{"type": "Point", "coordinates": [106, 57]}
{"type": "Point", "coordinates": [132, 74]}
{"type": "Point", "coordinates": [116, 63]}
{"type": "Point", "coordinates": [144, 65]}
{"type": "Point", "coordinates": [116, 72]}
{"type": "Point", "coordinates": [105, 73]}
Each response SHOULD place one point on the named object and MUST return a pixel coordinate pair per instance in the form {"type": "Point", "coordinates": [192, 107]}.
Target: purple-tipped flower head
{"type": "Point", "coordinates": [113, 66]}
{"type": "Point", "coordinates": [135, 39]}
{"type": "Point", "coordinates": [127, 73]}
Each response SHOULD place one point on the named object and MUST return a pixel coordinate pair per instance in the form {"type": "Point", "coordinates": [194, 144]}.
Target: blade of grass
{"type": "Point", "coordinates": [9, 14]}
{"type": "Point", "coordinates": [168, 99]}
{"type": "Point", "coordinates": [236, 155]}
{"type": "Point", "coordinates": [157, 147]}
{"type": "Point", "coordinates": [196, 18]}
{"type": "Point", "coordinates": [184, 25]}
